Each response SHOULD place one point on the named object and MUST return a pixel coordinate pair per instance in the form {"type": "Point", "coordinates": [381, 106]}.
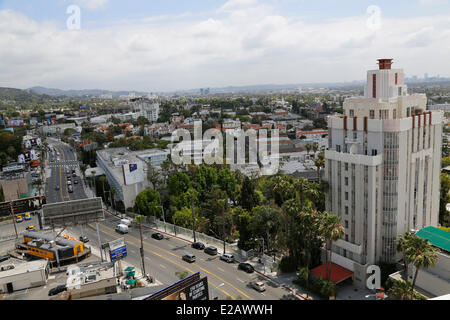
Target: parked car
{"type": "Point", "coordinates": [258, 286]}
{"type": "Point", "coordinates": [228, 257]}
{"type": "Point", "coordinates": [57, 290]}
{"type": "Point", "coordinates": [19, 219]}
{"type": "Point", "coordinates": [75, 181]}
{"type": "Point", "coordinates": [211, 250]}
{"type": "Point", "coordinates": [189, 257]}
{"type": "Point", "coordinates": [70, 188]}
{"type": "Point", "coordinates": [30, 228]}
{"type": "Point", "coordinates": [84, 239]}
{"type": "Point", "coordinates": [157, 236]}
{"type": "Point", "coordinates": [57, 187]}
{"type": "Point", "coordinates": [246, 267]}
{"type": "Point", "coordinates": [198, 245]}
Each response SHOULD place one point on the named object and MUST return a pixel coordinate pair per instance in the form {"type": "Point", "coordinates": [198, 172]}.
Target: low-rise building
{"type": "Point", "coordinates": [17, 275]}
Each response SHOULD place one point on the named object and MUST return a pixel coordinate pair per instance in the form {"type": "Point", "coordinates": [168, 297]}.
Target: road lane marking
{"type": "Point", "coordinates": [164, 267]}
{"type": "Point", "coordinates": [165, 258]}
{"type": "Point", "coordinates": [220, 269]}
{"type": "Point", "coordinates": [240, 280]}
{"type": "Point", "coordinates": [204, 270]}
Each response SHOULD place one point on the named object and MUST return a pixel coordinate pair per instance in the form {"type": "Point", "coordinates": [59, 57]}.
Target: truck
{"type": "Point", "coordinates": [121, 228]}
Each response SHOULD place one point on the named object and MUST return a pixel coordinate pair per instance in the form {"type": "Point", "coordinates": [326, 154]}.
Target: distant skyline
{"type": "Point", "coordinates": [180, 45]}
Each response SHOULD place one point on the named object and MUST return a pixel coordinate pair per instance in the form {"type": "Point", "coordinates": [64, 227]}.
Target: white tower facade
{"type": "Point", "coordinates": [383, 167]}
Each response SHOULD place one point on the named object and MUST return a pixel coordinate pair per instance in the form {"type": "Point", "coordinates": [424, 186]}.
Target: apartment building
{"type": "Point", "coordinates": [383, 166]}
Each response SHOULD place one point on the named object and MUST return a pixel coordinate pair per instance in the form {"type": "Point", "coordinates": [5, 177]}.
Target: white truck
{"type": "Point", "coordinates": [122, 228]}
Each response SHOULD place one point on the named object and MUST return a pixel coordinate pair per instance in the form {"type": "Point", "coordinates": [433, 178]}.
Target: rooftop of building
{"type": "Point", "coordinates": [22, 266]}
{"type": "Point", "coordinates": [438, 238]}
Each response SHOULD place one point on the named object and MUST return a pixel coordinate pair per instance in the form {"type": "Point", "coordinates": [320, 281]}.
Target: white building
{"type": "Point", "coordinates": [383, 167]}
{"type": "Point", "coordinates": [147, 108]}
{"type": "Point", "coordinates": [125, 173]}
{"type": "Point", "coordinates": [18, 275]}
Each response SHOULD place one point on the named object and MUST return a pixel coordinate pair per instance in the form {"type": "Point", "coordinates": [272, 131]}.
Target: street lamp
{"type": "Point", "coordinates": [263, 262]}
{"type": "Point", "coordinates": [214, 288]}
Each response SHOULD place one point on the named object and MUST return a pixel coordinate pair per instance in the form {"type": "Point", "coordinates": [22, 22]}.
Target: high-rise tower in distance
{"type": "Point", "coordinates": [383, 168]}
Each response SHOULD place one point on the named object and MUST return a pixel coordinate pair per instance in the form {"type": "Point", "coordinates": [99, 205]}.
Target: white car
{"type": "Point", "coordinates": [227, 257]}
{"type": "Point", "coordinates": [258, 286]}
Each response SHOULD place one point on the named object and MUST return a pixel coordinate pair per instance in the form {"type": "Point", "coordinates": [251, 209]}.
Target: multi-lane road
{"type": "Point", "coordinates": [162, 257]}
{"type": "Point", "coordinates": [61, 160]}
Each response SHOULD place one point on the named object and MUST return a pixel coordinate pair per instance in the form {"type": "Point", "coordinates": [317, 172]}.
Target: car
{"type": "Point", "coordinates": [189, 257]}
{"type": "Point", "coordinates": [246, 267]}
{"type": "Point", "coordinates": [70, 189]}
{"type": "Point", "coordinates": [35, 175]}
{"type": "Point", "coordinates": [198, 245]}
{"type": "Point", "coordinates": [68, 171]}
{"type": "Point", "coordinates": [211, 250]}
{"type": "Point", "coordinates": [258, 286]}
{"type": "Point", "coordinates": [227, 257]}
{"type": "Point", "coordinates": [30, 228]}
{"type": "Point", "coordinates": [157, 236]}
{"type": "Point", "coordinates": [69, 182]}
{"type": "Point", "coordinates": [69, 178]}
{"type": "Point", "coordinates": [58, 289]}
{"type": "Point", "coordinates": [84, 239]}
{"type": "Point", "coordinates": [57, 187]}
{"type": "Point", "coordinates": [19, 219]}
{"type": "Point", "coordinates": [27, 216]}
{"type": "Point", "coordinates": [74, 174]}
{"type": "Point", "coordinates": [75, 181]}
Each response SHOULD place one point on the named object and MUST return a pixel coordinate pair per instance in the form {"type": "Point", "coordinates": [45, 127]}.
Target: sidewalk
{"type": "Point", "coordinates": [284, 280]}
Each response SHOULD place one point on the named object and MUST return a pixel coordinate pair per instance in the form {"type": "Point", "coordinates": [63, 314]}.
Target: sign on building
{"type": "Point", "coordinates": [197, 291]}
{"type": "Point", "coordinates": [117, 249]}
{"type": "Point", "coordinates": [133, 173]}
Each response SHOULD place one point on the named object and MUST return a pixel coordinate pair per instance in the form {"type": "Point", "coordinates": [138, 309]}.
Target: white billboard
{"type": "Point", "coordinates": [133, 173]}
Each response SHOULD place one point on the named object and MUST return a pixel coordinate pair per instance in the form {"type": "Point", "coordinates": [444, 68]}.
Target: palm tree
{"type": "Point", "coordinates": [421, 254]}
{"type": "Point", "coordinates": [315, 147]}
{"type": "Point", "coordinates": [138, 220]}
{"type": "Point", "coordinates": [402, 244]}
{"type": "Point", "coordinates": [400, 290]}
{"type": "Point", "coordinates": [319, 163]}
{"type": "Point", "coordinates": [331, 230]}
{"type": "Point", "coordinates": [308, 148]}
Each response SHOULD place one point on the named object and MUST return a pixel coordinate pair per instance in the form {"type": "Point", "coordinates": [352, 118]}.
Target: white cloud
{"type": "Point", "coordinates": [248, 44]}
{"type": "Point", "coordinates": [90, 4]}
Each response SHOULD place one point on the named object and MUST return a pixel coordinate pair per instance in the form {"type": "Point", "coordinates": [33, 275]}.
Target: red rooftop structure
{"type": "Point", "coordinates": [385, 63]}
{"type": "Point", "coordinates": [337, 273]}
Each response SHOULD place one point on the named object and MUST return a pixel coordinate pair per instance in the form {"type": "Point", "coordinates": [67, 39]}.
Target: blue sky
{"type": "Point", "coordinates": [166, 45]}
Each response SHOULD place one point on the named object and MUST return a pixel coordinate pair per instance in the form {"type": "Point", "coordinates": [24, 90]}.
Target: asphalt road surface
{"type": "Point", "coordinates": [63, 161]}
{"type": "Point", "coordinates": [163, 260]}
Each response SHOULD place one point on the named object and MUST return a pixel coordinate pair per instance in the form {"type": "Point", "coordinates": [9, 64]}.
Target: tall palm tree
{"type": "Point", "coordinates": [315, 147]}
{"type": "Point", "coordinates": [139, 220]}
{"type": "Point", "coordinates": [331, 230]}
{"type": "Point", "coordinates": [422, 255]}
{"type": "Point", "coordinates": [308, 148]}
{"type": "Point", "coordinates": [319, 163]}
{"type": "Point", "coordinates": [402, 244]}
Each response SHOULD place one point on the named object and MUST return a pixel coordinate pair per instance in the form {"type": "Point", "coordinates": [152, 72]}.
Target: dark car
{"type": "Point", "coordinates": [198, 245]}
{"type": "Point", "coordinates": [75, 181]}
{"type": "Point", "coordinates": [211, 250]}
{"type": "Point", "coordinates": [246, 267]}
{"type": "Point", "coordinates": [84, 239]}
{"type": "Point", "coordinates": [57, 290]}
{"type": "Point", "coordinates": [189, 257]}
{"type": "Point", "coordinates": [157, 236]}
{"type": "Point", "coordinates": [57, 187]}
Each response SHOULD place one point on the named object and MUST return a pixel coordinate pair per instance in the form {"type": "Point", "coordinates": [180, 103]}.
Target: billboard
{"type": "Point", "coordinates": [73, 212]}
{"type": "Point", "coordinates": [34, 121]}
{"type": "Point", "coordinates": [27, 156]}
{"type": "Point", "coordinates": [22, 205]}
{"type": "Point", "coordinates": [189, 288]}
{"type": "Point", "coordinates": [117, 249]}
{"type": "Point", "coordinates": [133, 173]}
{"type": "Point", "coordinates": [15, 123]}
{"type": "Point", "coordinates": [35, 142]}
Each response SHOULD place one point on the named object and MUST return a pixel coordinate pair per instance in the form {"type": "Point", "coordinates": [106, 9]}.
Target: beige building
{"type": "Point", "coordinates": [383, 166]}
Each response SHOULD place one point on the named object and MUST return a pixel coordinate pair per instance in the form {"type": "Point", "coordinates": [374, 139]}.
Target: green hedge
{"type": "Point", "coordinates": [320, 286]}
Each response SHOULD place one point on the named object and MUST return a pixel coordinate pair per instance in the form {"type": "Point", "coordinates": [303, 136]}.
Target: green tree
{"type": "Point", "coordinates": [228, 182]}
{"type": "Point", "coordinates": [444, 215]}
{"type": "Point", "coordinates": [248, 198]}
{"type": "Point", "coordinates": [265, 221]}
{"type": "Point", "coordinates": [421, 254]}
{"type": "Point", "coordinates": [148, 203]}
{"type": "Point", "coordinates": [178, 183]}
{"type": "Point", "coordinates": [331, 230]}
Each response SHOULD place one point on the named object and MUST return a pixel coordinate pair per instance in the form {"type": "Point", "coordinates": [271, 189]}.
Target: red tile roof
{"type": "Point", "coordinates": [337, 274]}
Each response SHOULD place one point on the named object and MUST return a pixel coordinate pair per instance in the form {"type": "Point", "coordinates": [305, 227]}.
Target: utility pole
{"type": "Point", "coordinates": [193, 219]}
{"type": "Point", "coordinates": [13, 218]}
{"type": "Point", "coordinates": [223, 227]}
